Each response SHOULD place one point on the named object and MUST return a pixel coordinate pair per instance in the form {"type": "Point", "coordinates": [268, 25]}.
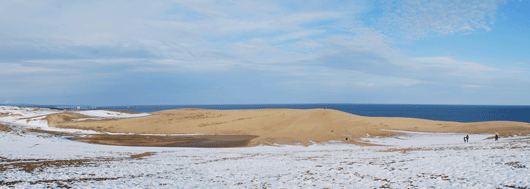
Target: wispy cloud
{"type": "Point", "coordinates": [448, 62]}
{"type": "Point", "coordinates": [15, 68]}
{"type": "Point", "coordinates": [416, 19]}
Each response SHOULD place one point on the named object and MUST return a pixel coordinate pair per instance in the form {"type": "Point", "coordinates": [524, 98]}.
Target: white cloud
{"type": "Point", "coordinates": [108, 61]}
{"type": "Point", "coordinates": [362, 84]}
{"type": "Point", "coordinates": [466, 28]}
{"type": "Point", "coordinates": [306, 45]}
{"type": "Point", "coordinates": [297, 35]}
{"type": "Point", "coordinates": [450, 62]}
{"type": "Point", "coordinates": [15, 68]}
{"type": "Point", "coordinates": [471, 86]}
{"type": "Point", "coordinates": [434, 60]}
{"type": "Point", "coordinates": [372, 56]}
{"type": "Point", "coordinates": [416, 19]}
{"type": "Point", "coordinates": [344, 84]}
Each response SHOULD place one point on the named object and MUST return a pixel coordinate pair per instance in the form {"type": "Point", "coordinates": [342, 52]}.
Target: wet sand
{"type": "Point", "coordinates": [201, 141]}
{"type": "Point", "coordinates": [198, 141]}
{"type": "Point", "coordinates": [282, 126]}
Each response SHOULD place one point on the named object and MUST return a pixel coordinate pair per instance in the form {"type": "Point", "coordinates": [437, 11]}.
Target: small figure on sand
{"type": "Point", "coordinates": [496, 136]}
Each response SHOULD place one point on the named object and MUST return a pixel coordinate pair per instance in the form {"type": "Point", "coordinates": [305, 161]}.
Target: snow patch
{"type": "Point", "coordinates": [416, 139]}
{"type": "Point", "coordinates": [110, 114]}
{"type": "Point", "coordinates": [35, 117]}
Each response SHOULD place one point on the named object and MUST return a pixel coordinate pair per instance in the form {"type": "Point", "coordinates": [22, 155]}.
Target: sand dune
{"type": "Point", "coordinates": [283, 126]}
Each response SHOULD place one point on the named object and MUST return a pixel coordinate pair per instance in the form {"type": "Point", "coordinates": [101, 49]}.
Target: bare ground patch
{"type": "Point", "coordinates": [37, 166]}
{"type": "Point", "coordinates": [205, 141]}
{"type": "Point", "coordinates": [5, 128]}
{"type": "Point", "coordinates": [515, 164]}
{"type": "Point", "coordinates": [8, 114]}
{"type": "Point", "coordinates": [125, 111]}
{"type": "Point", "coordinates": [57, 183]}
{"type": "Point", "coordinates": [140, 156]}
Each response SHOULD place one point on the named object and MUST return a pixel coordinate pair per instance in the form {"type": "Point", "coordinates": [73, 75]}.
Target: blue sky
{"type": "Point", "coordinates": [257, 52]}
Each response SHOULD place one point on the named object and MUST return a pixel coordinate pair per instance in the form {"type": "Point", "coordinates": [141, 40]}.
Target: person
{"type": "Point", "coordinates": [467, 138]}
{"type": "Point", "coordinates": [496, 137]}
{"type": "Point", "coordinates": [464, 139]}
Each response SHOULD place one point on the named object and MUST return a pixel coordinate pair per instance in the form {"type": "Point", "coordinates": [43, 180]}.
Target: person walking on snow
{"type": "Point", "coordinates": [496, 137]}
{"type": "Point", "coordinates": [467, 138]}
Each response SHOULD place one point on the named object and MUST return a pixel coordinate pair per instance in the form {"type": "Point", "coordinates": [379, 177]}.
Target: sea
{"type": "Point", "coordinates": [458, 113]}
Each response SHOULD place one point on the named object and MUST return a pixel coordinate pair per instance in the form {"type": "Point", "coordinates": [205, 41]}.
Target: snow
{"type": "Point", "coordinates": [110, 114]}
{"type": "Point", "coordinates": [414, 160]}
{"type": "Point", "coordinates": [35, 118]}
{"type": "Point", "coordinates": [417, 139]}
{"type": "Point", "coordinates": [482, 164]}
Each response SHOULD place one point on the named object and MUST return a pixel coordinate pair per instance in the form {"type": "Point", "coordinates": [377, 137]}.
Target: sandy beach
{"type": "Point", "coordinates": [281, 126]}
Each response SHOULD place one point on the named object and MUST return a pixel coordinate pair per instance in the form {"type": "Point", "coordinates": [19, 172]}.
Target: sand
{"type": "Point", "coordinates": [64, 117]}
{"type": "Point", "coordinates": [198, 141]}
{"type": "Point", "coordinates": [201, 141]}
{"type": "Point", "coordinates": [282, 126]}
{"type": "Point", "coordinates": [7, 114]}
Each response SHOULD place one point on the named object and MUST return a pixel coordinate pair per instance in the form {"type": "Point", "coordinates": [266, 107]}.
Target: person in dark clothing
{"type": "Point", "coordinates": [496, 137]}
{"type": "Point", "coordinates": [467, 138]}
{"type": "Point", "coordinates": [464, 139]}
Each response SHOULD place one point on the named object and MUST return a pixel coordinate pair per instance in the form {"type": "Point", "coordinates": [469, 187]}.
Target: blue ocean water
{"type": "Point", "coordinates": [458, 113]}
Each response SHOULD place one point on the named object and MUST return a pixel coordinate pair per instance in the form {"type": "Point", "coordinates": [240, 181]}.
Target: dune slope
{"type": "Point", "coordinates": [284, 126]}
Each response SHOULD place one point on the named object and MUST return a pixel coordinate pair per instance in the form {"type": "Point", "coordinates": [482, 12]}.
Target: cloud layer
{"type": "Point", "coordinates": [346, 47]}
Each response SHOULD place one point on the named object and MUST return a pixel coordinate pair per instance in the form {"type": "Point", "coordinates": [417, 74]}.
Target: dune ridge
{"type": "Point", "coordinates": [282, 126]}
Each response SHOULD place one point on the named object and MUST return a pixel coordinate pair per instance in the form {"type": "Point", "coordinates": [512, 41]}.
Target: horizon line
{"type": "Point", "coordinates": [228, 104]}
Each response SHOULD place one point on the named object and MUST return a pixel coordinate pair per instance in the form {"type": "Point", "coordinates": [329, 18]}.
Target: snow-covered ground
{"type": "Point", "coordinates": [416, 139]}
{"type": "Point", "coordinates": [30, 117]}
{"type": "Point", "coordinates": [101, 114]}
{"type": "Point", "coordinates": [413, 161]}
{"type": "Point", "coordinates": [480, 164]}
{"type": "Point", "coordinates": [27, 116]}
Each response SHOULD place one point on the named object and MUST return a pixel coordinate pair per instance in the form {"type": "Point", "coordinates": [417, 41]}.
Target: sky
{"type": "Point", "coordinates": [264, 52]}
